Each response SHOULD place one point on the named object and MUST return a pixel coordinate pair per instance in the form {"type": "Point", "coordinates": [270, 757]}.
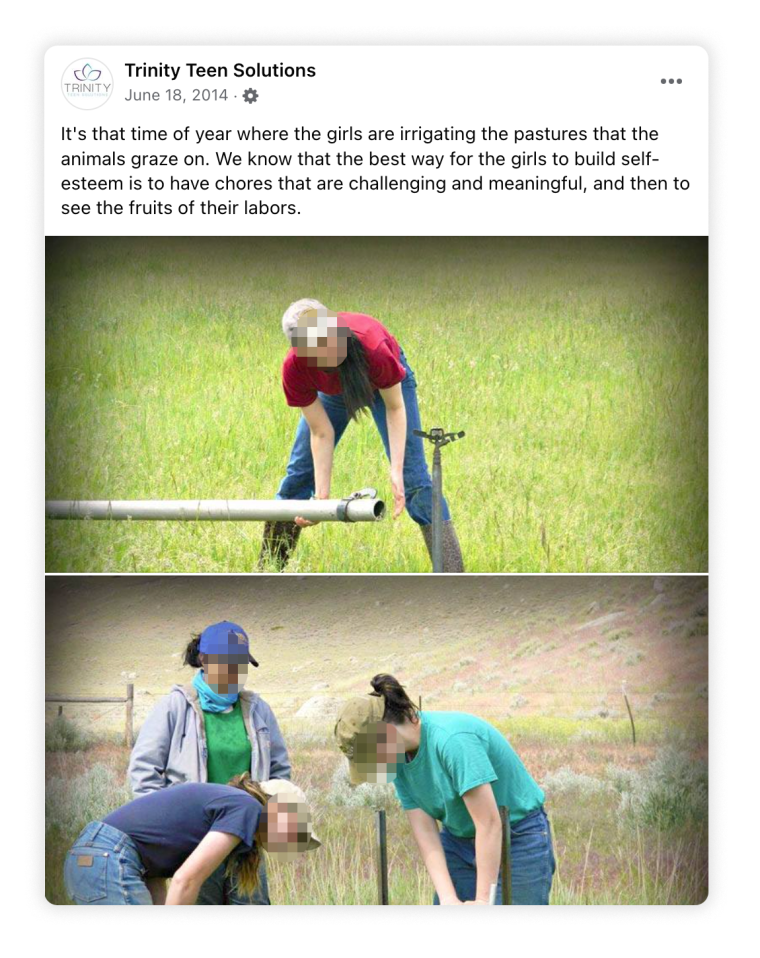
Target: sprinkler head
{"type": "Point", "coordinates": [438, 436]}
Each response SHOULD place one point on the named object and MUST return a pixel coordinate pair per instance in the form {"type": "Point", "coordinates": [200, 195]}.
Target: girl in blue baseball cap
{"type": "Point", "coordinates": [212, 730]}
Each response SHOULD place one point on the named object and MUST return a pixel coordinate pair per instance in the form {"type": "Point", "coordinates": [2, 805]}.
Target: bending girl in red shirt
{"type": "Point", "coordinates": [340, 365]}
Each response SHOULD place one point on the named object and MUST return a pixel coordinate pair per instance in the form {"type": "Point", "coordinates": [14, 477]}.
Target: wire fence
{"type": "Point", "coordinates": [128, 701]}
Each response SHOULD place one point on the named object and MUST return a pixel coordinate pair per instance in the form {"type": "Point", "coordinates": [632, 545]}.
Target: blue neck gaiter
{"type": "Point", "coordinates": [210, 700]}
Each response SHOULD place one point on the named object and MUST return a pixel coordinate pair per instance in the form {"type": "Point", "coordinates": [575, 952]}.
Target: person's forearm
{"type": "Point", "coordinates": [434, 859]}
{"type": "Point", "coordinates": [322, 446]}
{"type": "Point", "coordinates": [487, 857]}
{"type": "Point", "coordinates": [183, 892]}
{"type": "Point", "coordinates": [396, 419]}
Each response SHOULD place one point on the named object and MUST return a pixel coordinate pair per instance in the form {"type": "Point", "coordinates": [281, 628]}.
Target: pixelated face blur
{"type": "Point", "coordinates": [319, 339]}
{"type": "Point", "coordinates": [378, 753]}
{"type": "Point", "coordinates": [226, 673]}
{"type": "Point", "coordinates": [287, 828]}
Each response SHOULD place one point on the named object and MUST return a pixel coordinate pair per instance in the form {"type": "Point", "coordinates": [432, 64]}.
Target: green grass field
{"type": "Point", "coordinates": [629, 827]}
{"type": "Point", "coordinates": [577, 367]}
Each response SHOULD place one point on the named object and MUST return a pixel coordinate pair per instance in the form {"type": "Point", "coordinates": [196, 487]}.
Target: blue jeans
{"type": "Point", "coordinates": [418, 487]}
{"type": "Point", "coordinates": [104, 868]}
{"type": "Point", "coordinates": [532, 862]}
{"type": "Point", "coordinates": [218, 889]}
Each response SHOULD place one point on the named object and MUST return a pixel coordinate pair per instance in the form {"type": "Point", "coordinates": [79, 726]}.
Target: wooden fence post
{"type": "Point", "coordinates": [128, 701]}
{"type": "Point", "coordinates": [129, 737]}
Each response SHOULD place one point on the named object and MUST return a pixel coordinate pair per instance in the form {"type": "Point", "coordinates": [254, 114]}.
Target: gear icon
{"type": "Point", "coordinates": [250, 96]}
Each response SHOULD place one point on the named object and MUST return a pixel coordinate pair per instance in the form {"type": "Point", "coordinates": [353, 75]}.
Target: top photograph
{"type": "Point", "coordinates": [380, 405]}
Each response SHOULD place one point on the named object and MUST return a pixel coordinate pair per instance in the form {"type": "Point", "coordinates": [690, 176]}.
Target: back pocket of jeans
{"type": "Point", "coordinates": [86, 874]}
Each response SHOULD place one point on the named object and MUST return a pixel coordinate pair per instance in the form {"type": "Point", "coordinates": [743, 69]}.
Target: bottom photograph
{"type": "Point", "coordinates": [389, 740]}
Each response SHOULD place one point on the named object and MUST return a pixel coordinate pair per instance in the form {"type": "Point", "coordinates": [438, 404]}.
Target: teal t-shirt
{"type": "Point", "coordinates": [458, 752]}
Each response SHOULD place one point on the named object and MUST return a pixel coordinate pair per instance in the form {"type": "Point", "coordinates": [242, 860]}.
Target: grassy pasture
{"type": "Point", "coordinates": [606, 854]}
{"type": "Point", "coordinates": [577, 367]}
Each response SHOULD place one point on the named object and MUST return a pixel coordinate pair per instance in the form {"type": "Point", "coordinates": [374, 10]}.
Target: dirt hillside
{"type": "Point", "coordinates": [499, 646]}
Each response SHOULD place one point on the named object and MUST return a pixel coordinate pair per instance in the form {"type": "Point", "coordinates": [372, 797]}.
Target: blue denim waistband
{"type": "Point", "coordinates": [534, 814]}
{"type": "Point", "coordinates": [100, 835]}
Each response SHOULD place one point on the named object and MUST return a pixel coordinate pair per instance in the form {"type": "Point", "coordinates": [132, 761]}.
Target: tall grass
{"type": "Point", "coordinates": [577, 367]}
{"type": "Point", "coordinates": [71, 803]}
{"type": "Point", "coordinates": [62, 735]}
{"type": "Point", "coordinates": [645, 869]}
{"type": "Point", "coordinates": [625, 835]}
{"type": "Point", "coordinates": [671, 793]}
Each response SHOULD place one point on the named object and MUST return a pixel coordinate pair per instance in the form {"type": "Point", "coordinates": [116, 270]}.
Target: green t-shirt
{"type": "Point", "coordinates": [458, 752]}
{"type": "Point", "coordinates": [229, 748]}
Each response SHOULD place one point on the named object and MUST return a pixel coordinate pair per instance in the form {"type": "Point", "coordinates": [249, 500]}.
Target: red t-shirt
{"type": "Point", "coordinates": [301, 381]}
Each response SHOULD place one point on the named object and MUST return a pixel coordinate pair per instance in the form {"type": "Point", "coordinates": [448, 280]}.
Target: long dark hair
{"type": "Point", "coordinates": [355, 384]}
{"type": "Point", "coordinates": [192, 656]}
{"type": "Point", "coordinates": [399, 708]}
{"type": "Point", "coordinates": [244, 869]}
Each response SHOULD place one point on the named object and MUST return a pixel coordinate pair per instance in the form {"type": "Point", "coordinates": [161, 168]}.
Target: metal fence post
{"type": "Point", "coordinates": [439, 439]}
{"type": "Point", "coordinates": [437, 530]}
{"type": "Point", "coordinates": [506, 856]}
{"type": "Point", "coordinates": [630, 713]}
{"type": "Point", "coordinates": [382, 857]}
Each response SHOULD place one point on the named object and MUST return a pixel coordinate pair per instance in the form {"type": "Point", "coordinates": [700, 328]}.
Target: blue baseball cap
{"type": "Point", "coordinates": [225, 638]}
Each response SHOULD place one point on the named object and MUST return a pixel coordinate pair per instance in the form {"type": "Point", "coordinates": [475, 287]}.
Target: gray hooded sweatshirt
{"type": "Point", "coordinates": [171, 746]}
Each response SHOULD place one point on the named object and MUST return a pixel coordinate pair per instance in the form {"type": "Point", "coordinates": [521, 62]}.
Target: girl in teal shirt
{"type": "Point", "coordinates": [452, 769]}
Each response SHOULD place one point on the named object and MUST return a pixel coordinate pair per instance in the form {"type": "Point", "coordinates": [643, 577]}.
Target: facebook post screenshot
{"type": "Point", "coordinates": [322, 325]}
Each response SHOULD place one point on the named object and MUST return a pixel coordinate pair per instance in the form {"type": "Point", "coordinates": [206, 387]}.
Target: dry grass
{"type": "Point", "coordinates": [608, 849]}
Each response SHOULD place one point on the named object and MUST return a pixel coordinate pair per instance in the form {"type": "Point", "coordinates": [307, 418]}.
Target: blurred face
{"type": "Point", "coordinates": [378, 753]}
{"type": "Point", "coordinates": [286, 828]}
{"type": "Point", "coordinates": [319, 339]}
{"type": "Point", "coordinates": [226, 674]}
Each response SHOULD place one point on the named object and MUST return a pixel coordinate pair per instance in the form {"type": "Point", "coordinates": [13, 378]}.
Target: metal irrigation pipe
{"type": "Point", "coordinates": [353, 509]}
{"type": "Point", "coordinates": [439, 438]}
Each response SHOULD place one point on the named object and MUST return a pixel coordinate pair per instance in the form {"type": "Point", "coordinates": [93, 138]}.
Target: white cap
{"type": "Point", "coordinates": [291, 314]}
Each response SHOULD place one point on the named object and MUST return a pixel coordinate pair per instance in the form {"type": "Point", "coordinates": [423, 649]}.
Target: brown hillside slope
{"type": "Point", "coordinates": [493, 645]}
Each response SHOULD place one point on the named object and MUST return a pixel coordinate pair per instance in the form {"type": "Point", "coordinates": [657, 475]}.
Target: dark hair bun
{"type": "Point", "coordinates": [399, 707]}
{"type": "Point", "coordinates": [383, 683]}
{"type": "Point", "coordinates": [192, 655]}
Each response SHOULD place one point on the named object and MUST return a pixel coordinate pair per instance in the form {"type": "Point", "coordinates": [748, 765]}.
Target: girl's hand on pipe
{"type": "Point", "coordinates": [303, 523]}
{"type": "Point", "coordinates": [399, 497]}
{"type": "Point", "coordinates": [452, 901]}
